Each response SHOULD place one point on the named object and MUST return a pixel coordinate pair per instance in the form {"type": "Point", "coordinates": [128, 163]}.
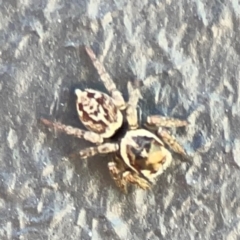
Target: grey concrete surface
{"type": "Point", "coordinates": [187, 55]}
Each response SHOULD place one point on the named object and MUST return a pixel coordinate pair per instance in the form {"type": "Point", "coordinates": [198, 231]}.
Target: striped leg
{"type": "Point", "coordinates": [101, 149]}
{"type": "Point", "coordinates": [116, 174]}
{"type": "Point", "coordinates": [76, 132]}
{"type": "Point", "coordinates": [171, 141]}
{"type": "Point", "coordinates": [123, 178]}
{"type": "Point", "coordinates": [131, 112]}
{"type": "Point", "coordinates": [155, 121]}
{"type": "Point", "coordinates": [133, 178]}
{"type": "Point", "coordinates": [106, 79]}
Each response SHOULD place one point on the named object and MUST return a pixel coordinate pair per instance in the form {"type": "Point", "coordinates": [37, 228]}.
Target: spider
{"type": "Point", "coordinates": [139, 154]}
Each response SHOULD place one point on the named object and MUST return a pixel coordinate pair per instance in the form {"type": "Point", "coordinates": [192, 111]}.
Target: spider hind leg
{"type": "Point", "coordinates": [131, 111]}
{"type": "Point", "coordinates": [76, 132]}
{"type": "Point", "coordinates": [107, 80]}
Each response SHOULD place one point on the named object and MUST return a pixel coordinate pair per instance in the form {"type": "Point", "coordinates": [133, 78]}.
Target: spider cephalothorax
{"type": "Point", "coordinates": [139, 155]}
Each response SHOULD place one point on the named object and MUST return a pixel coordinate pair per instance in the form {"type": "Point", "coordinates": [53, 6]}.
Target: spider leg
{"type": "Point", "coordinates": [124, 177]}
{"type": "Point", "coordinates": [131, 111]}
{"type": "Point", "coordinates": [116, 174]}
{"type": "Point", "coordinates": [133, 178]}
{"type": "Point", "coordinates": [171, 141]}
{"type": "Point", "coordinates": [101, 149]}
{"type": "Point", "coordinates": [155, 121]}
{"type": "Point", "coordinates": [106, 79]}
{"type": "Point", "coordinates": [76, 132]}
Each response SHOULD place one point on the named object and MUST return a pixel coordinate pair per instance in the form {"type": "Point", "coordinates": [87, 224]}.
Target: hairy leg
{"type": "Point", "coordinates": [171, 141]}
{"type": "Point", "coordinates": [106, 79]}
{"type": "Point", "coordinates": [76, 132]}
{"type": "Point", "coordinates": [133, 178]}
{"type": "Point", "coordinates": [101, 149]}
{"type": "Point", "coordinates": [131, 112]}
{"type": "Point", "coordinates": [124, 177]}
{"type": "Point", "coordinates": [155, 121]}
{"type": "Point", "coordinates": [116, 174]}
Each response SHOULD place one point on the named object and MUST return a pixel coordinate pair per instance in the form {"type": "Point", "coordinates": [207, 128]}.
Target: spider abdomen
{"type": "Point", "coordinates": [98, 112]}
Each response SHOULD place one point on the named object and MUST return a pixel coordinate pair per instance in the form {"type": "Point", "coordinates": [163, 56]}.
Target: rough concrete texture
{"type": "Point", "coordinates": [187, 55]}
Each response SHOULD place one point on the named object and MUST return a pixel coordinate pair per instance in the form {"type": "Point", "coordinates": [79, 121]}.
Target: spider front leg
{"type": "Point", "coordinates": [155, 121]}
{"type": "Point", "coordinates": [171, 141]}
{"type": "Point", "coordinates": [116, 174]}
{"type": "Point", "coordinates": [133, 178]}
{"type": "Point", "coordinates": [106, 79]}
{"type": "Point", "coordinates": [124, 177]}
{"type": "Point", "coordinates": [76, 132]}
{"type": "Point", "coordinates": [101, 149]}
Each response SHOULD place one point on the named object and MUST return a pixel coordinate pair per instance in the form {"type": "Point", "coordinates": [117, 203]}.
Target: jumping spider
{"type": "Point", "coordinates": [139, 155]}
